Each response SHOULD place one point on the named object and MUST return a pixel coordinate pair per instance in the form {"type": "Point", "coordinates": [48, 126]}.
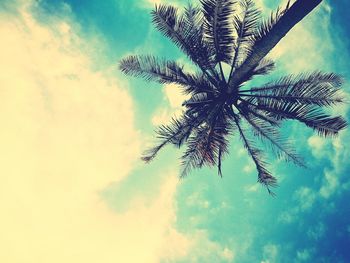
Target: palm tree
{"type": "Point", "coordinates": [232, 32]}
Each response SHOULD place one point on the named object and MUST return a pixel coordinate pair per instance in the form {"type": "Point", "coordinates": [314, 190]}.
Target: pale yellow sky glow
{"type": "Point", "coordinates": [66, 133]}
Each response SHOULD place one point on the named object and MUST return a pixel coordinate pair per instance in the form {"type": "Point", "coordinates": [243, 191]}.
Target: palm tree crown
{"type": "Point", "coordinates": [233, 33]}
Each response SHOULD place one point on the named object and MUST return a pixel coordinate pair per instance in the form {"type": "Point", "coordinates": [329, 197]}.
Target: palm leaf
{"type": "Point", "coordinates": [207, 146]}
{"type": "Point", "coordinates": [317, 88]}
{"type": "Point", "coordinates": [176, 133]}
{"type": "Point", "coordinates": [250, 108]}
{"type": "Point", "coordinates": [264, 176]}
{"type": "Point", "coordinates": [280, 146]}
{"type": "Point", "coordinates": [151, 68]}
{"type": "Point", "coordinates": [267, 25]}
{"type": "Point", "coordinates": [264, 67]}
{"type": "Point", "coordinates": [186, 36]}
{"type": "Point", "coordinates": [198, 84]}
{"type": "Point", "coordinates": [245, 24]}
{"type": "Point", "coordinates": [310, 115]}
{"type": "Point", "coordinates": [198, 100]}
{"type": "Point", "coordinates": [218, 27]}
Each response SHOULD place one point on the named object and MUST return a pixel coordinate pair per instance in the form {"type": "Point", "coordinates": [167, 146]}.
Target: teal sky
{"type": "Point", "coordinates": [204, 218]}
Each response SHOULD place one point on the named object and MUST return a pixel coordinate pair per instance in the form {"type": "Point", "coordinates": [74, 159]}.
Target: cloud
{"type": "Point", "coordinates": [174, 95]}
{"type": "Point", "coordinates": [197, 200]}
{"type": "Point", "coordinates": [248, 168]}
{"type": "Point", "coordinates": [172, 106]}
{"type": "Point", "coordinates": [252, 188]}
{"type": "Point", "coordinates": [330, 184]}
{"type": "Point", "coordinates": [151, 3]}
{"type": "Point", "coordinates": [304, 255]}
{"type": "Point", "coordinates": [317, 231]}
{"type": "Point", "coordinates": [202, 249]}
{"type": "Point", "coordinates": [67, 132]}
{"type": "Point", "coordinates": [317, 145]}
{"type": "Point", "coordinates": [334, 177]}
{"type": "Point", "coordinates": [270, 253]}
{"type": "Point", "coordinates": [306, 198]}
{"type": "Point", "coordinates": [296, 51]}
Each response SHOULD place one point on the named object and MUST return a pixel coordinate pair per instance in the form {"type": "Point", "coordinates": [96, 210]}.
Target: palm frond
{"type": "Point", "coordinates": [218, 27]}
{"type": "Point", "coordinates": [266, 25]}
{"type": "Point", "coordinates": [280, 146]}
{"type": "Point", "coordinates": [264, 176]}
{"type": "Point", "coordinates": [207, 146]}
{"type": "Point", "coordinates": [220, 128]}
{"type": "Point", "coordinates": [264, 67]}
{"type": "Point", "coordinates": [219, 162]}
{"type": "Point", "coordinates": [245, 25]}
{"type": "Point", "coordinates": [223, 32]}
{"type": "Point", "coordinates": [262, 115]}
{"type": "Point", "coordinates": [186, 36]}
{"type": "Point", "coordinates": [192, 156]}
{"type": "Point", "coordinates": [317, 88]}
{"type": "Point", "coordinates": [176, 133]}
{"type": "Point", "coordinates": [198, 99]}
{"type": "Point", "coordinates": [311, 115]}
{"type": "Point", "coordinates": [152, 68]}
{"type": "Point", "coordinates": [199, 84]}
{"type": "Point", "coordinates": [193, 18]}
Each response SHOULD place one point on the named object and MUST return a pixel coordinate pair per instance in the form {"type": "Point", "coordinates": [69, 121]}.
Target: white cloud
{"type": "Point", "coordinates": [174, 95]}
{"type": "Point", "coordinates": [176, 246]}
{"type": "Point", "coordinates": [67, 132]}
{"type": "Point", "coordinates": [161, 117]}
{"type": "Point", "coordinates": [335, 180]}
{"type": "Point", "coordinates": [317, 145]}
{"type": "Point", "coordinates": [205, 250]}
{"type": "Point", "coordinates": [306, 198]}
{"type": "Point", "coordinates": [195, 247]}
{"type": "Point", "coordinates": [248, 168]}
{"type": "Point", "coordinates": [252, 188]}
{"type": "Point", "coordinates": [270, 253]}
{"type": "Point", "coordinates": [304, 255]}
{"type": "Point", "coordinates": [287, 216]}
{"type": "Point", "coordinates": [342, 154]}
{"type": "Point", "coordinates": [173, 108]}
{"type": "Point", "coordinates": [154, 1]}
{"type": "Point", "coordinates": [330, 184]}
{"type": "Point", "coordinates": [197, 200]}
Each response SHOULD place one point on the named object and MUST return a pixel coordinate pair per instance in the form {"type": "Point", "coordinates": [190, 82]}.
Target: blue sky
{"type": "Point", "coordinates": [74, 127]}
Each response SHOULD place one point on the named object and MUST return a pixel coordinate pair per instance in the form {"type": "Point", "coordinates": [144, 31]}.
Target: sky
{"type": "Point", "coordinates": [73, 188]}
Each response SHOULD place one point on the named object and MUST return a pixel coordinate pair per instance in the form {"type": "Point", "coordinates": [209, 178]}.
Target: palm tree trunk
{"type": "Point", "coordinates": [294, 15]}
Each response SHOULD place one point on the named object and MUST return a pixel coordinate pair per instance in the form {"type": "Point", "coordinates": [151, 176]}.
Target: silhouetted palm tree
{"type": "Point", "coordinates": [232, 32]}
